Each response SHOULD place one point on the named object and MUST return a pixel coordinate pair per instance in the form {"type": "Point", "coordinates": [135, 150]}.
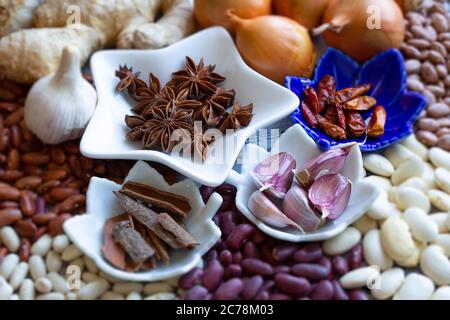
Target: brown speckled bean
{"type": "Point", "coordinates": [427, 138]}
{"type": "Point", "coordinates": [428, 124]}
{"type": "Point", "coordinates": [444, 142]}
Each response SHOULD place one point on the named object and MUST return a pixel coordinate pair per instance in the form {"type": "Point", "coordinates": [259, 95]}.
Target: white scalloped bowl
{"type": "Point", "coordinates": [86, 231]}
{"type": "Point", "coordinates": [303, 148]}
{"type": "Point", "coordinates": [105, 136]}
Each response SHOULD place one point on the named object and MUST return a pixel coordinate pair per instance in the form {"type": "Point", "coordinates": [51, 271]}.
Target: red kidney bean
{"type": "Point", "coordinates": [225, 257]}
{"type": "Point", "coordinates": [227, 222]}
{"type": "Point", "coordinates": [284, 252]}
{"type": "Point", "coordinates": [280, 296]}
{"type": "Point", "coordinates": [309, 253]}
{"type": "Point", "coordinates": [304, 298]}
{"type": "Point", "coordinates": [266, 254]}
{"type": "Point", "coordinates": [239, 236]}
{"type": "Point", "coordinates": [206, 192]}
{"type": "Point", "coordinates": [263, 295]}
{"type": "Point", "coordinates": [250, 251]}
{"type": "Point", "coordinates": [291, 284]}
{"type": "Point", "coordinates": [40, 205]}
{"type": "Point", "coordinates": [339, 292]}
{"type": "Point", "coordinates": [323, 291]}
{"type": "Point", "coordinates": [196, 293]}
{"type": "Point", "coordinates": [222, 245]}
{"type": "Point", "coordinates": [252, 286]}
{"type": "Point", "coordinates": [211, 255]}
{"type": "Point", "coordinates": [233, 271]}
{"type": "Point", "coordinates": [255, 266]}
{"type": "Point", "coordinates": [357, 295]}
{"type": "Point", "coordinates": [326, 263]}
{"type": "Point", "coordinates": [258, 237]}
{"type": "Point", "coordinates": [355, 257]}
{"type": "Point", "coordinates": [226, 189]}
{"type": "Point", "coordinates": [281, 269]}
{"type": "Point", "coordinates": [229, 290]}
{"type": "Point", "coordinates": [311, 271]}
{"type": "Point", "coordinates": [190, 279]}
{"type": "Point", "coordinates": [236, 257]}
{"type": "Point", "coordinates": [268, 285]}
{"type": "Point", "coordinates": [216, 220]}
{"type": "Point", "coordinates": [226, 203]}
{"type": "Point", "coordinates": [213, 275]}
{"type": "Point", "coordinates": [340, 265]}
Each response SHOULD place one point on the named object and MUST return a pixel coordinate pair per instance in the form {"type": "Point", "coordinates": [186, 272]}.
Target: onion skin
{"type": "Point", "coordinates": [274, 46]}
{"type": "Point", "coordinates": [213, 12]}
{"type": "Point", "coordinates": [355, 39]}
{"type": "Point", "coordinates": [308, 13]}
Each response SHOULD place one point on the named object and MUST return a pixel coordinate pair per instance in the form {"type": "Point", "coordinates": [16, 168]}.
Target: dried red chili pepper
{"type": "Point", "coordinates": [309, 117]}
{"type": "Point", "coordinates": [348, 94]}
{"type": "Point", "coordinates": [362, 103]}
{"type": "Point", "coordinates": [331, 129]}
{"type": "Point", "coordinates": [340, 115]}
{"type": "Point", "coordinates": [310, 98]}
{"type": "Point", "coordinates": [356, 126]}
{"type": "Point", "coordinates": [331, 113]}
{"type": "Point", "coordinates": [377, 122]}
{"type": "Point", "coordinates": [325, 89]}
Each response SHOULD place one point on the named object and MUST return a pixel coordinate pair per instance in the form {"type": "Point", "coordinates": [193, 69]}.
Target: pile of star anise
{"type": "Point", "coordinates": [191, 95]}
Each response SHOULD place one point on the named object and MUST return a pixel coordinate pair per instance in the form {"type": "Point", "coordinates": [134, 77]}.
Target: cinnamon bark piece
{"type": "Point", "coordinates": [133, 243]}
{"type": "Point", "coordinates": [182, 236]}
{"type": "Point", "coordinates": [147, 217]}
{"type": "Point", "coordinates": [111, 250]}
{"type": "Point", "coordinates": [159, 247]}
{"type": "Point", "coordinates": [168, 201]}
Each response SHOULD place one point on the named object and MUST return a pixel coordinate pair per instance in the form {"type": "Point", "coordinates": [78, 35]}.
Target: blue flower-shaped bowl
{"type": "Point", "coordinates": [386, 73]}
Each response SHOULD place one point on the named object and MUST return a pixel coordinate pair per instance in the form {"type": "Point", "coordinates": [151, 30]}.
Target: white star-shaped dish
{"type": "Point", "coordinates": [105, 136]}
{"type": "Point", "coordinates": [86, 231]}
{"type": "Point", "coordinates": [303, 148]}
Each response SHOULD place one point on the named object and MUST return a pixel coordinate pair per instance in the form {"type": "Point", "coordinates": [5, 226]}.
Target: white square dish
{"type": "Point", "coordinates": [105, 136]}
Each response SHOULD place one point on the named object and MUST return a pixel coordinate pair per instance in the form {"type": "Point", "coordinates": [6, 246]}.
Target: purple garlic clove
{"type": "Point", "coordinates": [331, 161]}
{"type": "Point", "coordinates": [275, 174]}
{"type": "Point", "coordinates": [264, 209]}
{"type": "Point", "coordinates": [330, 195]}
{"type": "Point", "coordinates": [297, 208]}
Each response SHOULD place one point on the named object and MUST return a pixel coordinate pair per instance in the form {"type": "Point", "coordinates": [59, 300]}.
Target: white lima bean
{"type": "Point", "coordinates": [155, 287]}
{"type": "Point", "coordinates": [407, 197]}
{"type": "Point", "coordinates": [365, 224]}
{"type": "Point", "coordinates": [26, 291]}
{"type": "Point", "coordinates": [59, 283]}
{"type": "Point", "coordinates": [342, 242]}
{"type": "Point", "coordinates": [440, 158]}
{"type": "Point", "coordinates": [382, 209]}
{"type": "Point", "coordinates": [90, 264]}
{"type": "Point", "coordinates": [416, 147]}
{"type": "Point", "coordinates": [8, 265]}
{"type": "Point", "coordinates": [442, 293]}
{"type": "Point", "coordinates": [378, 165]}
{"type": "Point", "coordinates": [60, 242]}
{"type": "Point", "coordinates": [93, 290]}
{"type": "Point", "coordinates": [439, 199]}
{"type": "Point", "coordinates": [440, 218]}
{"type": "Point", "coordinates": [10, 239]}
{"type": "Point", "coordinates": [37, 267]}
{"type": "Point", "coordinates": [134, 296]}
{"type": "Point", "coordinates": [43, 285]}
{"type": "Point", "coordinates": [111, 295]}
{"type": "Point", "coordinates": [396, 239]}
{"type": "Point", "coordinates": [71, 253]}
{"type": "Point", "coordinates": [50, 296]}
{"type": "Point", "coordinates": [398, 154]}
{"type": "Point", "coordinates": [448, 221]}
{"type": "Point", "coordinates": [71, 295]}
{"type": "Point", "coordinates": [373, 251]}
{"type": "Point", "coordinates": [435, 265]}
{"type": "Point", "coordinates": [443, 240]}
{"type": "Point", "coordinates": [415, 287]}
{"type": "Point", "coordinates": [443, 179]}
{"type": "Point", "coordinates": [127, 287]}
{"type": "Point", "coordinates": [89, 277]}
{"type": "Point", "coordinates": [18, 275]}
{"type": "Point", "coordinates": [79, 262]}
{"type": "Point", "coordinates": [53, 261]}
{"type": "Point", "coordinates": [413, 167]}
{"type": "Point", "coordinates": [428, 176]}
{"type": "Point", "coordinates": [413, 260]}
{"type": "Point", "coordinates": [389, 283]}
{"type": "Point", "coordinates": [382, 183]}
{"type": "Point", "coordinates": [161, 296]}
{"type": "Point", "coordinates": [421, 226]}
{"type": "Point", "coordinates": [42, 246]}
{"type": "Point", "coordinates": [416, 183]}
{"type": "Point", "coordinates": [359, 278]}
{"type": "Point", "coordinates": [6, 290]}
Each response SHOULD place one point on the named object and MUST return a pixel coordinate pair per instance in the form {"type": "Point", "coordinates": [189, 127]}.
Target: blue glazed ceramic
{"type": "Point", "coordinates": [386, 72]}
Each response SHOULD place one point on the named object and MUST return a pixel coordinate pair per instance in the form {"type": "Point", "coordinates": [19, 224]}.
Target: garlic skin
{"type": "Point", "coordinates": [59, 106]}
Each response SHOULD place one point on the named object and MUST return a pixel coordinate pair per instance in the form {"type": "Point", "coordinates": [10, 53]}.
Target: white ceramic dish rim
{"type": "Point", "coordinates": [218, 176]}
{"type": "Point", "coordinates": [75, 227]}
{"type": "Point", "coordinates": [243, 181]}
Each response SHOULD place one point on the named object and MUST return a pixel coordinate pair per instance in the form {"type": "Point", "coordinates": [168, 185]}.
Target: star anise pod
{"type": "Point", "coordinates": [197, 79]}
{"type": "Point", "coordinates": [240, 116]}
{"type": "Point", "coordinates": [128, 79]}
{"type": "Point", "coordinates": [199, 143]}
{"type": "Point", "coordinates": [168, 97]}
{"type": "Point", "coordinates": [149, 96]}
{"type": "Point", "coordinates": [214, 107]}
{"type": "Point", "coordinates": [137, 126]}
{"type": "Point", "coordinates": [158, 132]}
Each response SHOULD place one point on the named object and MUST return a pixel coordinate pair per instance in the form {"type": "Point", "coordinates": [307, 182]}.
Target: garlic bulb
{"type": "Point", "coordinates": [59, 106]}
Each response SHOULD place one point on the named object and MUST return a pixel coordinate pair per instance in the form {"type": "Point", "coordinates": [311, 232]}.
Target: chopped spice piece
{"type": "Point", "coordinates": [377, 122]}
{"type": "Point", "coordinates": [171, 202]}
{"type": "Point", "coordinates": [181, 235]}
{"type": "Point", "coordinates": [348, 94]}
{"type": "Point", "coordinates": [111, 250]}
{"type": "Point", "coordinates": [133, 243]}
{"type": "Point", "coordinates": [362, 103]}
{"type": "Point", "coordinates": [159, 247]}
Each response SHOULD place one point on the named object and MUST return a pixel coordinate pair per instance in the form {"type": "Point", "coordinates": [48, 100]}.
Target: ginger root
{"type": "Point", "coordinates": [27, 55]}
{"type": "Point", "coordinates": [16, 15]}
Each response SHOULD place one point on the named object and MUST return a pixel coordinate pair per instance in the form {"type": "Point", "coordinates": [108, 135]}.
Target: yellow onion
{"type": "Point", "coordinates": [363, 28]}
{"type": "Point", "coordinates": [274, 46]}
{"type": "Point", "coordinates": [214, 12]}
{"type": "Point", "coordinates": [308, 13]}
